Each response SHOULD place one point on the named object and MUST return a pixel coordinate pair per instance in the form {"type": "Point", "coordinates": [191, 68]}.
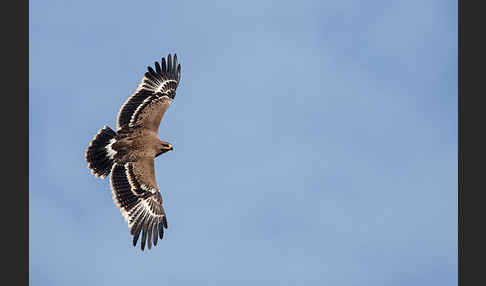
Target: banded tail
{"type": "Point", "coordinates": [99, 154]}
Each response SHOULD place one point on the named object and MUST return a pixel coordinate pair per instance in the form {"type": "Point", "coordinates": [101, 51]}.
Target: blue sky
{"type": "Point", "coordinates": [315, 142]}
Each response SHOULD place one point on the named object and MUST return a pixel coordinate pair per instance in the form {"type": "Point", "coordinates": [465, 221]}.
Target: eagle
{"type": "Point", "coordinates": [128, 153]}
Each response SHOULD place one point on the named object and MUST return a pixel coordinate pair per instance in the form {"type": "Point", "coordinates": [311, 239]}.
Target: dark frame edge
{"type": "Point", "coordinates": [460, 238]}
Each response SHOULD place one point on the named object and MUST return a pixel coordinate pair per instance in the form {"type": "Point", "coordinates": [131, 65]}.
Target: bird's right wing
{"type": "Point", "coordinates": [136, 193]}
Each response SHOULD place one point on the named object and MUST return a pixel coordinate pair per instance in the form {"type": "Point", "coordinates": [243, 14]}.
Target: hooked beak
{"type": "Point", "coordinates": [168, 148]}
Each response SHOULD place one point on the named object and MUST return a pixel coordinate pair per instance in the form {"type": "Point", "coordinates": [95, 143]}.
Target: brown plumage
{"type": "Point", "coordinates": [129, 153]}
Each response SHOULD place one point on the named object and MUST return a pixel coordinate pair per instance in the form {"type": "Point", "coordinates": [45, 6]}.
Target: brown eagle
{"type": "Point", "coordinates": [129, 153]}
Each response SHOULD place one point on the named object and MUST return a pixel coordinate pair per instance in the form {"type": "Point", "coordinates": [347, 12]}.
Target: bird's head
{"type": "Point", "coordinates": [164, 147]}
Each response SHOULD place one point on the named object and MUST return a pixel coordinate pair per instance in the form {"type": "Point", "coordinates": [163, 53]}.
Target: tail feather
{"type": "Point", "coordinates": [99, 154]}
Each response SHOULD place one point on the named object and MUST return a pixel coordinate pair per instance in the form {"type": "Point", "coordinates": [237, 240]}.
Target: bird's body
{"type": "Point", "coordinates": [128, 154]}
{"type": "Point", "coordinates": [133, 143]}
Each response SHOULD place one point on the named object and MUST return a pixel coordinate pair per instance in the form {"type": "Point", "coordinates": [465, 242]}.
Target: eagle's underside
{"type": "Point", "coordinates": [128, 154]}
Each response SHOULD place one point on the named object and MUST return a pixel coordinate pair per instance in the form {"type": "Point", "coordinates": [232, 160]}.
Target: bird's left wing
{"type": "Point", "coordinates": [147, 105]}
{"type": "Point", "coordinates": [136, 193]}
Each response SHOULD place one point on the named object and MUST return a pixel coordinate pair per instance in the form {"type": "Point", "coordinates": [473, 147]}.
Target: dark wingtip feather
{"type": "Point", "coordinates": [151, 71]}
{"type": "Point", "coordinates": [144, 236]}
{"type": "Point", "coordinates": [164, 65]}
{"type": "Point", "coordinates": [161, 231]}
{"type": "Point", "coordinates": [135, 236]}
{"type": "Point", "coordinates": [157, 67]}
{"type": "Point", "coordinates": [169, 63]}
{"type": "Point", "coordinates": [156, 233]}
{"type": "Point", "coordinates": [136, 227]}
{"type": "Point", "coordinates": [164, 220]}
{"type": "Point", "coordinates": [149, 234]}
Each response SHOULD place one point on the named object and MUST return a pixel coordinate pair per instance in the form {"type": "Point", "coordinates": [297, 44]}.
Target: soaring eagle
{"type": "Point", "coordinates": [129, 153]}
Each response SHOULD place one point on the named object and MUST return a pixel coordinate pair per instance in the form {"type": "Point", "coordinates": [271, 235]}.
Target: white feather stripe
{"type": "Point", "coordinates": [148, 189]}
{"type": "Point", "coordinates": [154, 85]}
{"type": "Point", "coordinates": [134, 115]}
{"type": "Point", "coordinates": [132, 216]}
{"type": "Point", "coordinates": [109, 150]}
{"type": "Point", "coordinates": [162, 86]}
{"type": "Point", "coordinates": [131, 180]}
{"type": "Point", "coordinates": [149, 209]}
{"type": "Point", "coordinates": [141, 211]}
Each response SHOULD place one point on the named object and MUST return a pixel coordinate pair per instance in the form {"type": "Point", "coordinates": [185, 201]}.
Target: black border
{"type": "Point", "coordinates": [460, 239]}
{"type": "Point", "coordinates": [472, 143]}
{"type": "Point", "coordinates": [15, 143]}
{"type": "Point", "coordinates": [460, 168]}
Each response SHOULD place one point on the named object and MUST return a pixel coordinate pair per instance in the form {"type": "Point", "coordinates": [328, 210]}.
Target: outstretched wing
{"type": "Point", "coordinates": [136, 193]}
{"type": "Point", "coordinates": [152, 97]}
